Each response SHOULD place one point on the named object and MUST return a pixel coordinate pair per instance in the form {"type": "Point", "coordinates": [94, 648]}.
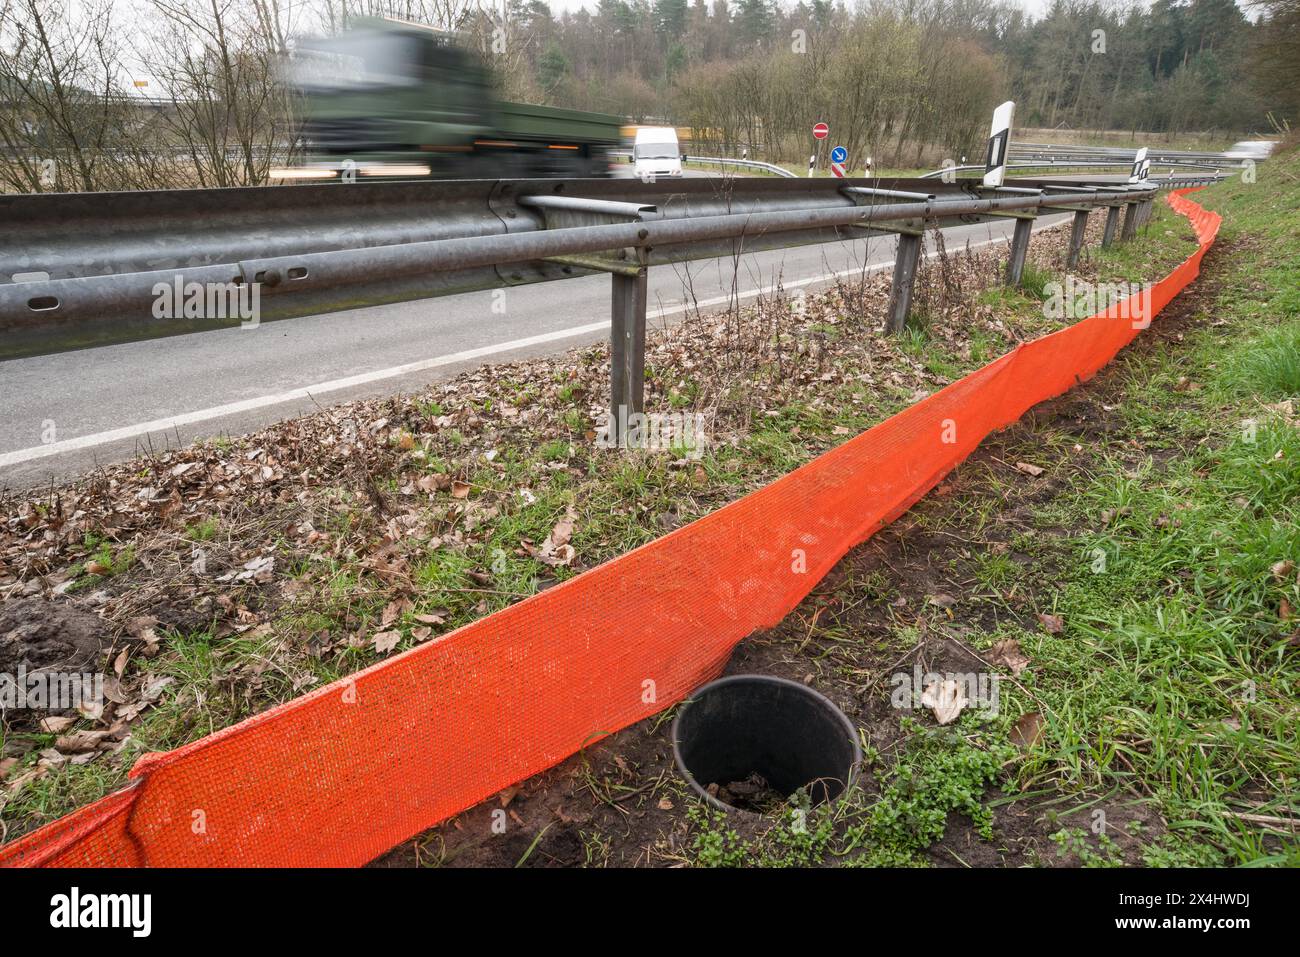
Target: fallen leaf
{"type": "Point", "coordinates": [1029, 469]}
{"type": "Point", "coordinates": [14, 786]}
{"type": "Point", "coordinates": [79, 741]}
{"type": "Point", "coordinates": [257, 569]}
{"type": "Point", "coordinates": [556, 550]}
{"type": "Point", "coordinates": [1052, 624]}
{"type": "Point", "coordinates": [142, 628]}
{"type": "Point", "coordinates": [56, 724]}
{"type": "Point", "coordinates": [945, 699]}
{"type": "Point", "coordinates": [1007, 654]}
{"type": "Point", "coordinates": [113, 690]}
{"type": "Point", "coordinates": [386, 641]}
{"type": "Point", "coordinates": [562, 531]}
{"type": "Point", "coordinates": [390, 613]}
{"type": "Point", "coordinates": [460, 489]}
{"type": "Point", "coordinates": [1027, 730]}
{"type": "Point", "coordinates": [154, 689]}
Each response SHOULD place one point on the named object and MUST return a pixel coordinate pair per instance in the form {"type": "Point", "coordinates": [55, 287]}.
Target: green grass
{"type": "Point", "coordinates": [1034, 280]}
{"type": "Point", "coordinates": [1269, 366]}
{"type": "Point", "coordinates": [203, 531]}
{"type": "Point", "coordinates": [938, 771]}
{"type": "Point", "coordinates": [1175, 678]}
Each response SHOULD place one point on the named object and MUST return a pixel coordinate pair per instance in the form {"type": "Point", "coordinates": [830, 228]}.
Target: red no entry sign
{"type": "Point", "coordinates": [821, 131]}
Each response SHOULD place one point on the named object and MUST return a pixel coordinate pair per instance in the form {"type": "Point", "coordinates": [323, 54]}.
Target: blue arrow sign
{"type": "Point", "coordinates": [839, 154]}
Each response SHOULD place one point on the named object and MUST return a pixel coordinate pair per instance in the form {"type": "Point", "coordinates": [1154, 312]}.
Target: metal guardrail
{"type": "Point", "coordinates": [86, 269]}
{"type": "Point", "coordinates": [743, 163]}
{"type": "Point", "coordinates": [1066, 165]}
{"type": "Point", "coordinates": [1163, 157]}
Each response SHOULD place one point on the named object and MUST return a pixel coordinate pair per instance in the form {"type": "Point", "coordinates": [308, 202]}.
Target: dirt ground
{"type": "Point", "coordinates": [622, 802]}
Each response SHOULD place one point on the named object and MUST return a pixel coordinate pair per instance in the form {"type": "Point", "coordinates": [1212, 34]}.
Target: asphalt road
{"type": "Point", "coordinates": [63, 414]}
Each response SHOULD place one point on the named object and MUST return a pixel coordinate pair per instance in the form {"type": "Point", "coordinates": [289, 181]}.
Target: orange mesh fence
{"type": "Point", "coordinates": [340, 775]}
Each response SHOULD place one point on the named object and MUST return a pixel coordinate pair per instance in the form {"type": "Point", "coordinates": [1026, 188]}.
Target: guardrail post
{"type": "Point", "coordinates": [900, 293]}
{"type": "Point", "coordinates": [626, 351]}
{"type": "Point", "coordinates": [1112, 220]}
{"type": "Point", "coordinates": [1019, 248]}
{"type": "Point", "coordinates": [1147, 209]}
{"type": "Point", "coordinates": [1130, 221]}
{"type": "Point", "coordinates": [1078, 232]}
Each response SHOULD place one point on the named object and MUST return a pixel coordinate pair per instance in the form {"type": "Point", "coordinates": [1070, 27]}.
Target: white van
{"type": "Point", "coordinates": [656, 153]}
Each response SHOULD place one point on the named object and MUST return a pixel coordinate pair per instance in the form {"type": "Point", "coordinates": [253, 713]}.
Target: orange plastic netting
{"type": "Point", "coordinates": [346, 772]}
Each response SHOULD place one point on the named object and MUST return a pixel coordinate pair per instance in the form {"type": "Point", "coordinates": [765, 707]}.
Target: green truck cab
{"type": "Point", "coordinates": [389, 99]}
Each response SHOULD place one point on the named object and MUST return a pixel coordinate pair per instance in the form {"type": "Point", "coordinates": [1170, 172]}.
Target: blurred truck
{"type": "Point", "coordinates": [390, 99]}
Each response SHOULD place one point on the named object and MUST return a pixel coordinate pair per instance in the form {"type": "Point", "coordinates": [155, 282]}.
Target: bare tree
{"type": "Point", "coordinates": [442, 14]}
{"type": "Point", "coordinates": [219, 62]}
{"type": "Point", "coordinates": [62, 112]}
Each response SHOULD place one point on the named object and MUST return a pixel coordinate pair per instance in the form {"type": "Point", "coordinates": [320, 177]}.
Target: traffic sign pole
{"type": "Point", "coordinates": [820, 131]}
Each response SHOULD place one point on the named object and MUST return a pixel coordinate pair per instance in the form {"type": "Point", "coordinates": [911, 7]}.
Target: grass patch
{"type": "Point", "coordinates": [1269, 365]}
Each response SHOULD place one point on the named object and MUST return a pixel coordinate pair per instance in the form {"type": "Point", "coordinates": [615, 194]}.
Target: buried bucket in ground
{"type": "Point", "coordinates": [750, 742]}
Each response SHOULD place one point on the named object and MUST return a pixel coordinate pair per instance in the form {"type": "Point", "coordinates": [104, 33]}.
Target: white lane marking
{"type": "Point", "coordinates": [365, 378]}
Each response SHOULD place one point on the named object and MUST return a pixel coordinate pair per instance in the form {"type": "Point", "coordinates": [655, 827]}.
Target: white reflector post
{"type": "Point", "coordinates": [995, 163]}
{"type": "Point", "coordinates": [1141, 167]}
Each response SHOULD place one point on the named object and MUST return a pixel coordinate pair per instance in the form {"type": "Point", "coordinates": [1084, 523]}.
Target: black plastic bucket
{"type": "Point", "coordinates": [784, 732]}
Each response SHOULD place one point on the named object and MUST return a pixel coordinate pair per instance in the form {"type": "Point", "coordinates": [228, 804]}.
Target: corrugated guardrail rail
{"type": "Point", "coordinates": [83, 269]}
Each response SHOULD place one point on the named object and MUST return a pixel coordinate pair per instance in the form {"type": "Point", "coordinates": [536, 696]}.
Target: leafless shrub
{"type": "Point", "coordinates": [219, 61]}
{"type": "Point", "coordinates": [62, 114]}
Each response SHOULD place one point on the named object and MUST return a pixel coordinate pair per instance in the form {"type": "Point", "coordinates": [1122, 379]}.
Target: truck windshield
{"type": "Point", "coordinates": [359, 60]}
{"type": "Point", "coordinates": [656, 151]}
